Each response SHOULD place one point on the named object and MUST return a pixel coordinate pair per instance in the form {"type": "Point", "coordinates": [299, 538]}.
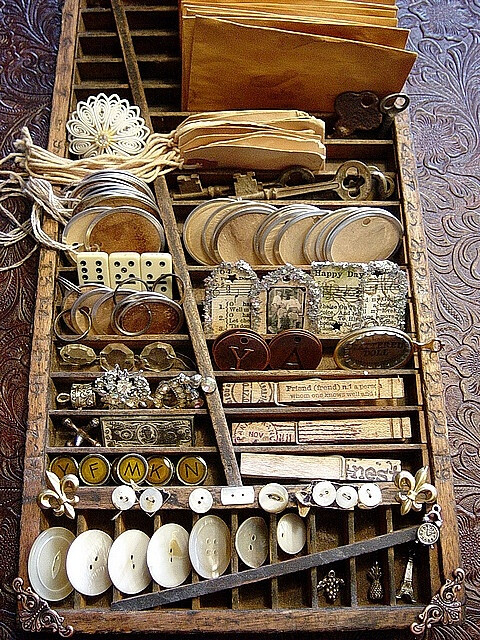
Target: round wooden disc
{"type": "Point", "coordinates": [310, 238]}
{"type": "Point", "coordinates": [216, 215]}
{"type": "Point", "coordinates": [322, 230]}
{"type": "Point", "coordinates": [193, 226]}
{"type": "Point", "coordinates": [269, 234]}
{"type": "Point", "coordinates": [240, 350]}
{"type": "Point", "coordinates": [234, 236]}
{"type": "Point", "coordinates": [295, 349]}
{"type": "Point", "coordinates": [126, 229]}
{"type": "Point", "coordinates": [365, 236]}
{"type": "Point", "coordinates": [373, 348]}
{"type": "Point", "coordinates": [288, 247]}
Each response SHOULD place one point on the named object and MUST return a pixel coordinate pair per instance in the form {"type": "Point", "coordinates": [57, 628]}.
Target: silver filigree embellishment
{"type": "Point", "coordinates": [121, 389]}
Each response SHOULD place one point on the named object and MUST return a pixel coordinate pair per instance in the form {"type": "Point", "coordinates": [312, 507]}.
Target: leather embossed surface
{"type": "Point", "coordinates": [445, 91]}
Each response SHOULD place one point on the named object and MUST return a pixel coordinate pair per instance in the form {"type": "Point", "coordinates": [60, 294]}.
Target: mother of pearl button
{"type": "Point", "coordinates": [346, 496]}
{"type": "Point", "coordinates": [273, 497]}
{"type": "Point", "coordinates": [369, 495]}
{"type": "Point", "coordinates": [123, 497]}
{"type": "Point", "coordinates": [127, 562]}
{"type": "Point", "coordinates": [200, 500]}
{"type": "Point", "coordinates": [323, 493]}
{"type": "Point", "coordinates": [46, 564]}
{"type": "Point", "coordinates": [167, 555]}
{"type": "Point", "coordinates": [251, 541]}
{"type": "Point", "coordinates": [291, 533]}
{"type": "Point", "coordinates": [151, 500]}
{"type": "Point", "coordinates": [209, 547]}
{"type": "Point", "coordinates": [87, 562]}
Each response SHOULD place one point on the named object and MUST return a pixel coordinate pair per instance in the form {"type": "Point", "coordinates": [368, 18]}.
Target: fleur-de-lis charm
{"type": "Point", "coordinates": [331, 586]}
{"type": "Point", "coordinates": [414, 491]}
{"type": "Point", "coordinates": [375, 591]}
{"type": "Point", "coordinates": [61, 496]}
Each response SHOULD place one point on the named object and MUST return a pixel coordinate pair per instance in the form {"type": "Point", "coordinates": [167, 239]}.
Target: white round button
{"type": "Point", "coordinates": [127, 562]}
{"type": "Point", "coordinates": [346, 496]}
{"type": "Point", "coordinates": [209, 547]}
{"type": "Point", "coordinates": [151, 500]}
{"type": "Point", "coordinates": [46, 564]}
{"type": "Point", "coordinates": [123, 497]}
{"type": "Point", "coordinates": [167, 555]}
{"type": "Point", "coordinates": [273, 497]}
{"type": "Point", "coordinates": [200, 500]}
{"type": "Point", "coordinates": [251, 541]}
{"type": "Point", "coordinates": [369, 495]}
{"type": "Point", "coordinates": [323, 493]}
{"type": "Point", "coordinates": [291, 533]}
{"type": "Point", "coordinates": [87, 562]}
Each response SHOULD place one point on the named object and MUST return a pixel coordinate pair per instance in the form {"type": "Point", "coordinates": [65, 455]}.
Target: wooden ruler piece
{"type": "Point", "coordinates": [249, 576]}
{"type": "Point", "coordinates": [312, 390]}
{"type": "Point", "coordinates": [272, 465]}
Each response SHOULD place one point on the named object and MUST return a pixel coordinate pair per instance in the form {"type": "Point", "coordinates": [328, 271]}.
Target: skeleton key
{"type": "Point", "coordinates": [352, 181]}
{"type": "Point", "coordinates": [390, 106]}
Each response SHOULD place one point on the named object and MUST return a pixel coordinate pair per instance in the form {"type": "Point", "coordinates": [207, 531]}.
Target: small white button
{"type": "Point", "coordinates": [369, 495]}
{"type": "Point", "coordinates": [323, 494]}
{"type": "Point", "coordinates": [151, 500]}
{"type": "Point", "coordinates": [346, 497]}
{"type": "Point", "coordinates": [127, 562]}
{"type": "Point", "coordinates": [273, 497]}
{"type": "Point", "coordinates": [123, 497]}
{"type": "Point", "coordinates": [291, 533]}
{"type": "Point", "coordinates": [200, 500]}
{"type": "Point", "coordinates": [237, 495]}
{"type": "Point", "coordinates": [251, 541]}
{"type": "Point", "coordinates": [167, 555]}
{"type": "Point", "coordinates": [87, 562]}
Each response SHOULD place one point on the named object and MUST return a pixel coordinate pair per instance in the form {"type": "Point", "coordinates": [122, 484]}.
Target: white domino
{"type": "Point", "coordinates": [155, 265]}
{"type": "Point", "coordinates": [123, 265]}
{"type": "Point", "coordinates": [92, 266]}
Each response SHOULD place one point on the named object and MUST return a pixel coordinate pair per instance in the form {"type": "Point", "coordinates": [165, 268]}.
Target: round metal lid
{"type": "Point", "coordinates": [193, 226]}
{"type": "Point", "coordinates": [374, 348]}
{"type": "Point", "coordinates": [46, 564]}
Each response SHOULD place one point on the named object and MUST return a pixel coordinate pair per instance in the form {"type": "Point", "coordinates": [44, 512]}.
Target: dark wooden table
{"type": "Point", "coordinates": [445, 91]}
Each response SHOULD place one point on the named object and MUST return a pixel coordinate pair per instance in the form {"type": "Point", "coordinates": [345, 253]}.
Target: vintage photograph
{"type": "Point", "coordinates": [285, 308]}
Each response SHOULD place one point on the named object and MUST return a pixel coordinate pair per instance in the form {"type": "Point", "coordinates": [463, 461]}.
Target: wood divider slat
{"type": "Point", "coordinates": [219, 423]}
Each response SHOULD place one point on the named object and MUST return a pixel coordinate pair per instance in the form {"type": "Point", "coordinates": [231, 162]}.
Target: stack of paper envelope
{"type": "Point", "coordinates": [242, 54]}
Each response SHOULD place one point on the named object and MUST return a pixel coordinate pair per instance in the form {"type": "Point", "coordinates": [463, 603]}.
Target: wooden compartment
{"type": "Point", "coordinates": [132, 49]}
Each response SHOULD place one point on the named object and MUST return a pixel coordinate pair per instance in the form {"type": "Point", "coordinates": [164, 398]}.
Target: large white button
{"type": "Point", "coordinates": [151, 500]}
{"type": "Point", "coordinates": [291, 533]}
{"type": "Point", "coordinates": [127, 562]}
{"type": "Point", "coordinates": [167, 555]}
{"type": "Point", "coordinates": [251, 541]}
{"type": "Point", "coordinates": [273, 497]}
{"type": "Point", "coordinates": [323, 493]}
{"type": "Point", "coordinates": [87, 562]}
{"type": "Point", "coordinates": [369, 495]}
{"type": "Point", "coordinates": [200, 500]}
{"type": "Point", "coordinates": [346, 496]}
{"type": "Point", "coordinates": [209, 547]}
{"type": "Point", "coordinates": [123, 497]}
{"type": "Point", "coordinates": [46, 564]}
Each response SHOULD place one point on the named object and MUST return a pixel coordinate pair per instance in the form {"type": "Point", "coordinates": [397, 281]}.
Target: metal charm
{"type": "Point", "coordinates": [375, 591]}
{"type": "Point", "coordinates": [81, 396]}
{"type": "Point", "coordinates": [36, 615]}
{"type": "Point", "coordinates": [414, 491]}
{"type": "Point", "coordinates": [331, 586]}
{"type": "Point", "coordinates": [406, 588]}
{"type": "Point", "coordinates": [61, 496]}
{"type": "Point", "coordinates": [182, 392]}
{"type": "Point", "coordinates": [356, 111]}
{"type": "Point", "coordinates": [119, 389]}
{"type": "Point", "coordinates": [429, 531]}
{"type": "Point", "coordinates": [444, 608]}
{"type": "Point", "coordinates": [126, 431]}
{"type": "Point", "coordinates": [81, 435]}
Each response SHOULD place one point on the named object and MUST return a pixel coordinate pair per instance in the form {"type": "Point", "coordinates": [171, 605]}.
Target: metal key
{"type": "Point", "coordinates": [352, 181]}
{"type": "Point", "coordinates": [391, 106]}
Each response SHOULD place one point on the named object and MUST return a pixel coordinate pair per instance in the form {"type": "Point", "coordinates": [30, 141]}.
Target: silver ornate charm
{"type": "Point", "coordinates": [331, 586]}
{"type": "Point", "coordinates": [120, 389]}
{"type": "Point", "coordinates": [61, 496]}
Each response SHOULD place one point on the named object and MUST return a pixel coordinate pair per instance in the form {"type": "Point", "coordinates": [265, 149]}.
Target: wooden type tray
{"type": "Point", "coordinates": [132, 49]}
